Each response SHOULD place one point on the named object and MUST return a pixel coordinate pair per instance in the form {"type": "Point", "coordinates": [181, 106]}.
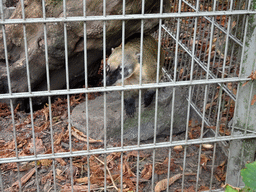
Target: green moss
{"type": "Point", "coordinates": [146, 116]}
{"type": "Point", "coordinates": [53, 2]}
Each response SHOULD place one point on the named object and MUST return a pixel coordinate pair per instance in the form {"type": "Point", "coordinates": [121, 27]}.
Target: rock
{"type": "Point", "coordinates": [113, 125]}
{"type": "Point", "coordinates": [8, 8]}
{"type": "Point", "coordinates": [75, 42]}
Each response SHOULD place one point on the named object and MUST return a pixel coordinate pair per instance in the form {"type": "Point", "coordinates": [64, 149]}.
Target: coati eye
{"type": "Point", "coordinates": [127, 71]}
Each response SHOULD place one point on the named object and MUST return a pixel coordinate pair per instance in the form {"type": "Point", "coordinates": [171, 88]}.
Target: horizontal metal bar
{"type": "Point", "coordinates": [217, 25]}
{"type": "Point", "coordinates": [127, 148]}
{"type": "Point", "coordinates": [202, 65]}
{"type": "Point", "coordinates": [125, 17]}
{"type": "Point", "coordinates": [121, 88]}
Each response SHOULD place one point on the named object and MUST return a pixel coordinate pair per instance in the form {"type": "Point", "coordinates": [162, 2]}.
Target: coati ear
{"type": "Point", "coordinates": [138, 56]}
{"type": "Point", "coordinates": [112, 49]}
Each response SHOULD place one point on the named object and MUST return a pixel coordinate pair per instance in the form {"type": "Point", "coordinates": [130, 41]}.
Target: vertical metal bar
{"type": "Point", "coordinates": [49, 89]}
{"type": "Point", "coordinates": [71, 173]}
{"type": "Point", "coordinates": [52, 142]}
{"type": "Point", "coordinates": [46, 49]}
{"type": "Point", "coordinates": [85, 51]}
{"type": "Point", "coordinates": [205, 96]}
{"type": "Point", "coordinates": [88, 144]}
{"type": "Point", "coordinates": [174, 90]}
{"type": "Point", "coordinates": [183, 168]}
{"type": "Point", "coordinates": [88, 172]}
{"type": "Point", "coordinates": [213, 162]}
{"type": "Point", "coordinates": [218, 114]}
{"type": "Point", "coordinates": [26, 46]}
{"type": "Point", "coordinates": [15, 139]}
{"type": "Point", "coordinates": [198, 165]}
{"type": "Point", "coordinates": [1, 181]}
{"type": "Point", "coordinates": [140, 83]}
{"type": "Point", "coordinates": [34, 139]}
{"type": "Point", "coordinates": [156, 96]}
{"type": "Point", "coordinates": [29, 86]}
{"type": "Point", "coordinates": [226, 45]}
{"type": "Point", "coordinates": [105, 99]}
{"type": "Point", "coordinates": [138, 171]}
{"type": "Point", "coordinates": [2, 10]}
{"type": "Point", "coordinates": [122, 98]}
{"type": "Point", "coordinates": [54, 174]}
{"type": "Point", "coordinates": [249, 4]}
{"type": "Point", "coordinates": [168, 171]}
{"type": "Point", "coordinates": [86, 95]}
{"type": "Point", "coordinates": [104, 72]}
{"type": "Point", "coordinates": [189, 98]}
{"type": "Point", "coordinates": [153, 169]}
{"type": "Point", "coordinates": [10, 89]}
{"type": "Point", "coordinates": [67, 75]}
{"type": "Point", "coordinates": [68, 88]}
{"type": "Point", "coordinates": [6, 60]}
{"type": "Point", "coordinates": [19, 176]}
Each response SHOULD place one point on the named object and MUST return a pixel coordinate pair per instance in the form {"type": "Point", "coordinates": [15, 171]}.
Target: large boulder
{"type": "Point", "coordinates": [113, 116]}
{"type": "Point", "coordinates": [75, 41]}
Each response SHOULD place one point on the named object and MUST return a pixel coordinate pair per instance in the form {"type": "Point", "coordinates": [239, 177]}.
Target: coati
{"type": "Point", "coordinates": [132, 69]}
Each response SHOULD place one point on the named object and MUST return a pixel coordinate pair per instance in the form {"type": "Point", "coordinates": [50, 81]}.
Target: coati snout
{"type": "Point", "coordinates": [132, 69]}
{"type": "Point", "coordinates": [114, 74]}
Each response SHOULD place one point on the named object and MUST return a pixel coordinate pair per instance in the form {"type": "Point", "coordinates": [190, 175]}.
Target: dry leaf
{"type": "Point", "coordinates": [252, 76]}
{"type": "Point", "coordinates": [178, 148]}
{"type": "Point", "coordinates": [81, 136]}
{"type": "Point", "coordinates": [162, 185]}
{"type": "Point", "coordinates": [82, 180]}
{"type": "Point", "coordinates": [181, 71]}
{"type": "Point", "coordinates": [147, 172]}
{"type": "Point", "coordinates": [49, 176]}
{"type": "Point", "coordinates": [135, 153]}
{"type": "Point", "coordinates": [27, 166]}
{"type": "Point", "coordinates": [61, 161]}
{"type": "Point", "coordinates": [233, 24]}
{"type": "Point", "coordinates": [77, 188]}
{"type": "Point", "coordinates": [61, 178]}
{"type": "Point", "coordinates": [253, 100]}
{"type": "Point", "coordinates": [204, 160]}
{"type": "Point", "coordinates": [40, 148]}
{"type": "Point", "coordinates": [245, 83]}
{"type": "Point", "coordinates": [25, 178]}
{"type": "Point", "coordinates": [58, 171]}
{"type": "Point", "coordinates": [229, 85]}
{"type": "Point", "coordinates": [208, 105]}
{"type": "Point", "coordinates": [190, 189]}
{"type": "Point", "coordinates": [207, 146]}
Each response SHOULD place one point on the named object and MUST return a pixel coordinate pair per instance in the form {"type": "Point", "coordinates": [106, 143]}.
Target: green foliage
{"type": "Point", "coordinates": [230, 189]}
{"type": "Point", "coordinates": [249, 178]}
{"type": "Point", "coordinates": [249, 175]}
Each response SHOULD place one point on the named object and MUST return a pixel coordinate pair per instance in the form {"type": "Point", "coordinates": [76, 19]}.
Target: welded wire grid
{"type": "Point", "coordinates": [204, 44]}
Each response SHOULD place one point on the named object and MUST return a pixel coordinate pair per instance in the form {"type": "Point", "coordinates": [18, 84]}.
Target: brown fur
{"type": "Point", "coordinates": [149, 64]}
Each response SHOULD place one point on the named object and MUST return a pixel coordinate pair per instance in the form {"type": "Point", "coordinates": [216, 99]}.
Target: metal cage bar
{"type": "Point", "coordinates": [205, 81]}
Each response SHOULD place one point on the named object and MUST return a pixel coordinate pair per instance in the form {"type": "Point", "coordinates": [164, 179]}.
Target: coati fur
{"type": "Point", "coordinates": [132, 69]}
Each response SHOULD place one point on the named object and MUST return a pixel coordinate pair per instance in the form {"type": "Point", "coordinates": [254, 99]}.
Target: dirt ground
{"type": "Point", "coordinates": [149, 167]}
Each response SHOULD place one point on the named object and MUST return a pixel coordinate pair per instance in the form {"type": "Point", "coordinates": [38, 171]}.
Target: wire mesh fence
{"type": "Point", "coordinates": [63, 127]}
